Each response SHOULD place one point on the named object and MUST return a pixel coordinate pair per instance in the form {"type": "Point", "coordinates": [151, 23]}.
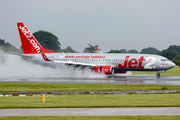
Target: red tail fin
{"type": "Point", "coordinates": [29, 44]}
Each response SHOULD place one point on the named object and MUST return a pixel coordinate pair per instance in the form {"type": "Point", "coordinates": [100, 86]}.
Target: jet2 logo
{"type": "Point", "coordinates": [30, 37]}
{"type": "Point", "coordinates": [134, 63]}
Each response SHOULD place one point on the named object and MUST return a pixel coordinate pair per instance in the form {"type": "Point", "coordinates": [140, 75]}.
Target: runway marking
{"type": "Point", "coordinates": [111, 92]}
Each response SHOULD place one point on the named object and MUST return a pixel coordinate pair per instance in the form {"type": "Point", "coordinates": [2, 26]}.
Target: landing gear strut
{"type": "Point", "coordinates": [158, 75]}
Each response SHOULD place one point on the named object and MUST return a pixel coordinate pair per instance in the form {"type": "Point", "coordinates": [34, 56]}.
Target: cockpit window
{"type": "Point", "coordinates": [164, 60]}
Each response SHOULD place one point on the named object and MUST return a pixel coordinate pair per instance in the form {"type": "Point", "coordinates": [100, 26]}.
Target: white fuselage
{"type": "Point", "coordinates": [120, 62]}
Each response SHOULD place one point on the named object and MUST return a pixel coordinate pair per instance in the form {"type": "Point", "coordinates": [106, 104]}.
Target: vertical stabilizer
{"type": "Point", "coordinates": [29, 44]}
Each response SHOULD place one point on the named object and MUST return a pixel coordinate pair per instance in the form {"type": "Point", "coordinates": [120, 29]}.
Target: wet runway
{"type": "Point", "coordinates": [172, 80]}
{"type": "Point", "coordinates": [91, 111]}
{"type": "Point", "coordinates": [132, 79]}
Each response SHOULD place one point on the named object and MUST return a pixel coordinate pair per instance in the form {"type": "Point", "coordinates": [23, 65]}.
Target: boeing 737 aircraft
{"type": "Point", "coordinates": [107, 63]}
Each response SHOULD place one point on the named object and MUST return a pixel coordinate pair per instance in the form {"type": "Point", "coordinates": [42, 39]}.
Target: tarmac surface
{"type": "Point", "coordinates": [132, 79]}
{"type": "Point", "coordinates": [91, 111]}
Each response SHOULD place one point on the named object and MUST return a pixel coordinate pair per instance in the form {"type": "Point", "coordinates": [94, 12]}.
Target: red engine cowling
{"type": "Point", "coordinates": [104, 69]}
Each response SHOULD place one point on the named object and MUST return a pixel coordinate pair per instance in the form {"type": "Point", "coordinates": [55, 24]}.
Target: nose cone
{"type": "Point", "coordinates": [171, 65]}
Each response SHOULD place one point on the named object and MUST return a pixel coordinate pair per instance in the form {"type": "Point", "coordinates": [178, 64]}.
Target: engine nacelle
{"type": "Point", "coordinates": [104, 69]}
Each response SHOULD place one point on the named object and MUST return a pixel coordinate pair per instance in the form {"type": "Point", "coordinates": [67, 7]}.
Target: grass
{"type": "Point", "coordinates": [92, 118]}
{"type": "Point", "coordinates": [92, 101]}
{"type": "Point", "coordinates": [11, 86]}
{"type": "Point", "coordinates": [174, 72]}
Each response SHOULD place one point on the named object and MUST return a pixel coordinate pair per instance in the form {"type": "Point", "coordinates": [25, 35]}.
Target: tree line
{"type": "Point", "coordinates": [7, 47]}
{"type": "Point", "coordinates": [50, 41]}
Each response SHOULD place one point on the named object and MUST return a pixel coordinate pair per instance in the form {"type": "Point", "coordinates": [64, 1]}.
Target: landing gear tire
{"type": "Point", "coordinates": [158, 75]}
{"type": "Point", "coordinates": [112, 70]}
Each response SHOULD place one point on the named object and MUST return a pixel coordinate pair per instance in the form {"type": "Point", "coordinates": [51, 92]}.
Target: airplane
{"type": "Point", "coordinates": [107, 63]}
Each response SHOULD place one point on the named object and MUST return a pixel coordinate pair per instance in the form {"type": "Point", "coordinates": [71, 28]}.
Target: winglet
{"type": "Point", "coordinates": [98, 51]}
{"type": "Point", "coordinates": [44, 56]}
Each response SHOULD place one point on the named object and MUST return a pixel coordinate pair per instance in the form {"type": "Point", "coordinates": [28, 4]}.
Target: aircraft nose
{"type": "Point", "coordinates": [172, 65]}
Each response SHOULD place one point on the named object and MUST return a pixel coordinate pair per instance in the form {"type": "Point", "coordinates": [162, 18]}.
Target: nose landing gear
{"type": "Point", "coordinates": [158, 75]}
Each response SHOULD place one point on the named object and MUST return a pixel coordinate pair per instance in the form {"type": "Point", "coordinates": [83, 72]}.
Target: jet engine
{"type": "Point", "coordinates": [104, 69]}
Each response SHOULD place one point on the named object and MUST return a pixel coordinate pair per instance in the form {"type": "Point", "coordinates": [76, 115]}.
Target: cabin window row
{"type": "Point", "coordinates": [81, 59]}
{"type": "Point", "coordinates": [118, 59]}
{"type": "Point", "coordinates": [88, 59]}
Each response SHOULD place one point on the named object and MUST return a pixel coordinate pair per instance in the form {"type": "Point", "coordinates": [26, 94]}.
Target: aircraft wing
{"type": "Point", "coordinates": [69, 63]}
{"type": "Point", "coordinates": [23, 55]}
{"type": "Point", "coordinates": [76, 64]}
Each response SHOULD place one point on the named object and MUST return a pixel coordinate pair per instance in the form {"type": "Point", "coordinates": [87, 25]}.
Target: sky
{"type": "Point", "coordinates": [110, 24]}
